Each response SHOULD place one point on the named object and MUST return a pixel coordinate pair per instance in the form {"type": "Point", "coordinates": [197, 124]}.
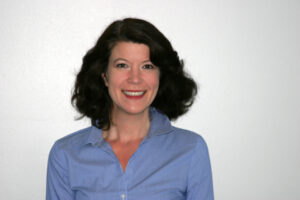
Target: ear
{"type": "Point", "coordinates": [104, 79]}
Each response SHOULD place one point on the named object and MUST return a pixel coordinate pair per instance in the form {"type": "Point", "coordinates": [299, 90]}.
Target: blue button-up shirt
{"type": "Point", "coordinates": [170, 164]}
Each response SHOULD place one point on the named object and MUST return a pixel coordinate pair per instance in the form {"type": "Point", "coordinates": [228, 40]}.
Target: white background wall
{"type": "Point", "coordinates": [245, 55]}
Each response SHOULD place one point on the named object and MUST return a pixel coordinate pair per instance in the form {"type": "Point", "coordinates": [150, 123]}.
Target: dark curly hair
{"type": "Point", "coordinates": [176, 91]}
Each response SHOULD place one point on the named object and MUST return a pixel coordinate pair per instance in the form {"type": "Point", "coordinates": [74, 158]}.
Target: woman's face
{"type": "Point", "coordinates": [131, 78]}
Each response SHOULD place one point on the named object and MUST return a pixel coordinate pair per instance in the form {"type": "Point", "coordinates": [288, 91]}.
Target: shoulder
{"type": "Point", "coordinates": [188, 137]}
{"type": "Point", "coordinates": [73, 141]}
{"type": "Point", "coordinates": [197, 146]}
{"type": "Point", "coordinates": [184, 139]}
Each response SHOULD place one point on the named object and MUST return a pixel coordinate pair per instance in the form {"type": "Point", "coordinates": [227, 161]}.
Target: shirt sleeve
{"type": "Point", "coordinates": [200, 186]}
{"type": "Point", "coordinates": [58, 186]}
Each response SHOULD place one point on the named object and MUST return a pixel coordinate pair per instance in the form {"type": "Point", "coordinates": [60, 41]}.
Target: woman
{"type": "Point", "coordinates": [130, 84]}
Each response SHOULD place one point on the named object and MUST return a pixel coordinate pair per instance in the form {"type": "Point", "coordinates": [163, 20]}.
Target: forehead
{"type": "Point", "coordinates": [130, 51]}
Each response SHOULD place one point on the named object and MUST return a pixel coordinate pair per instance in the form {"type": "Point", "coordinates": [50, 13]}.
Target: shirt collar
{"type": "Point", "coordinates": [159, 124]}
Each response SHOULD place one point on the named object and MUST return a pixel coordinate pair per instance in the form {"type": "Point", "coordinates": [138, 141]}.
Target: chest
{"type": "Point", "coordinates": [123, 152]}
{"type": "Point", "coordinates": [151, 173]}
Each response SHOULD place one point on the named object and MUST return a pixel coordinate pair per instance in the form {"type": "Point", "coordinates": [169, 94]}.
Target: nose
{"type": "Point", "coordinates": [134, 75]}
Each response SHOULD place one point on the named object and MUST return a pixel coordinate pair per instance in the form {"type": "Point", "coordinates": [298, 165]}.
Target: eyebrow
{"type": "Point", "coordinates": [118, 59]}
{"type": "Point", "coordinates": [123, 59]}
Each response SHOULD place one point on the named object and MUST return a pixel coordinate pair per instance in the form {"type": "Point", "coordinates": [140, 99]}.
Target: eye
{"type": "Point", "coordinates": [148, 66]}
{"type": "Point", "coordinates": [121, 65]}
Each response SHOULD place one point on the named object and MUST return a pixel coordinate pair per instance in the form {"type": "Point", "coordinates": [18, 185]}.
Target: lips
{"type": "Point", "coordinates": [134, 93]}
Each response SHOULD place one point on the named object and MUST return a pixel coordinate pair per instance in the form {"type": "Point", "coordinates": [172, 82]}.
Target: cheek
{"type": "Point", "coordinates": [115, 79]}
{"type": "Point", "coordinates": [154, 81]}
{"type": "Point", "coordinates": [156, 84]}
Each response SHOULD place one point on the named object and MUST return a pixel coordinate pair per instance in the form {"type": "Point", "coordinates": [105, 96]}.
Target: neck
{"type": "Point", "coordinates": [127, 127]}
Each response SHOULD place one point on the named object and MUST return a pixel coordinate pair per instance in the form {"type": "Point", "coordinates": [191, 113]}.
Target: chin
{"type": "Point", "coordinates": [134, 110]}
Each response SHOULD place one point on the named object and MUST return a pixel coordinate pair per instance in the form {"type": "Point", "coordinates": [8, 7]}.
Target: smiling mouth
{"type": "Point", "coordinates": [133, 93]}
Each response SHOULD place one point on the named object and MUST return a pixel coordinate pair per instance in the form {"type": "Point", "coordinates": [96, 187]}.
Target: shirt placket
{"type": "Point", "coordinates": [123, 184]}
{"type": "Point", "coordinates": [129, 173]}
{"type": "Point", "coordinates": [123, 180]}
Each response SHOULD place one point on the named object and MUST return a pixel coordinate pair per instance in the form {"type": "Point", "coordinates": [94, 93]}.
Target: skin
{"type": "Point", "coordinates": [132, 82]}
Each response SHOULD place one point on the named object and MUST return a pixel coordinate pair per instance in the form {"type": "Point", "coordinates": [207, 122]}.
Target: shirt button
{"type": "Point", "coordinates": [123, 196]}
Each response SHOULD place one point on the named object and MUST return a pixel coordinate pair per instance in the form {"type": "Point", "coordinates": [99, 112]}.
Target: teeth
{"type": "Point", "coordinates": [133, 93]}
